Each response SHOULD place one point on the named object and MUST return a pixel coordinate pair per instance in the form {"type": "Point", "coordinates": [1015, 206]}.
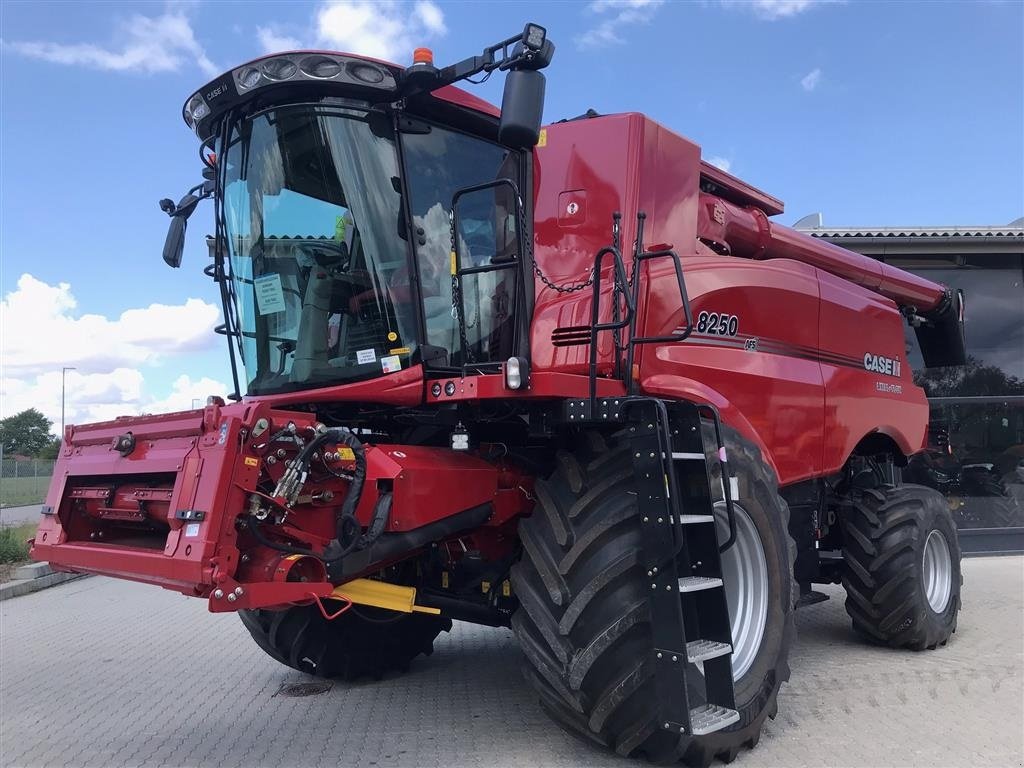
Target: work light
{"type": "Point", "coordinates": [517, 373]}
{"type": "Point", "coordinates": [533, 36]}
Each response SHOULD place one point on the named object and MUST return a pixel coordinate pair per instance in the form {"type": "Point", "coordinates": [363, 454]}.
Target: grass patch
{"type": "Point", "coordinates": [14, 542]}
{"type": "Point", "coordinates": [14, 547]}
{"type": "Point", "coordinates": [20, 491]}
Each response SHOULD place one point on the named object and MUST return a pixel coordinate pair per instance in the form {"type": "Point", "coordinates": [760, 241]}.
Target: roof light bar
{"type": "Point", "coordinates": [320, 68]}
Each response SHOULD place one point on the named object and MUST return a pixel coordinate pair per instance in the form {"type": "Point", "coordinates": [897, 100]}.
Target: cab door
{"type": "Point", "coordinates": [441, 164]}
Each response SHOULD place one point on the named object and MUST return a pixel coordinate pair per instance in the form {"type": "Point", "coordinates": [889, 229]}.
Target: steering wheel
{"type": "Point", "coordinates": [329, 254]}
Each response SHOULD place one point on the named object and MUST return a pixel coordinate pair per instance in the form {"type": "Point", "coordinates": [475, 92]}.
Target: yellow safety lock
{"type": "Point", "coordinates": [380, 594]}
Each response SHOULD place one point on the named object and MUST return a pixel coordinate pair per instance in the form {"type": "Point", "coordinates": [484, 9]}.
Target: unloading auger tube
{"type": "Point", "coordinates": [933, 310]}
{"type": "Point", "coordinates": [347, 529]}
{"type": "Point", "coordinates": [747, 232]}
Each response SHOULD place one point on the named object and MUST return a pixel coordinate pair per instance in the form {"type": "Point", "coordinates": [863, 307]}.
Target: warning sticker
{"type": "Point", "coordinates": [366, 356]}
{"type": "Point", "coordinates": [269, 296]}
{"type": "Point", "coordinates": [391, 363]}
{"type": "Point", "coordinates": [345, 453]}
{"type": "Point", "coordinates": [191, 530]}
{"type": "Point", "coordinates": [401, 351]}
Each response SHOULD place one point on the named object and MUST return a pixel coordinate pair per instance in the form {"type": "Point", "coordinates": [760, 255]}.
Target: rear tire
{"type": "Point", "coordinates": [362, 642]}
{"type": "Point", "coordinates": [901, 566]}
{"type": "Point", "coordinates": [583, 622]}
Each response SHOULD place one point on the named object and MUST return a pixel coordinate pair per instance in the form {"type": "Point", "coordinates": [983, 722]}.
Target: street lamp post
{"type": "Point", "coordinates": [63, 374]}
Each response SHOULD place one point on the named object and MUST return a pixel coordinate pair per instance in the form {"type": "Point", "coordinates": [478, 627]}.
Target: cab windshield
{"type": "Point", "coordinates": [319, 255]}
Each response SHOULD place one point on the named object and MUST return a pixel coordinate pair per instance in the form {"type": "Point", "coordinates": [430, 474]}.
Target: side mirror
{"type": "Point", "coordinates": [522, 106]}
{"type": "Point", "coordinates": [174, 245]}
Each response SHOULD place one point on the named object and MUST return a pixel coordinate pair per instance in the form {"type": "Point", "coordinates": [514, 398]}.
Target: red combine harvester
{"type": "Point", "coordinates": [571, 380]}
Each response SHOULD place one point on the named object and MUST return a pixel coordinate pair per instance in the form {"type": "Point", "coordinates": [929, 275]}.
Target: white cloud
{"type": "Point", "coordinates": [384, 30]}
{"type": "Point", "coordinates": [185, 392]}
{"type": "Point", "coordinates": [721, 162]}
{"type": "Point", "coordinates": [772, 10]}
{"type": "Point", "coordinates": [40, 332]}
{"type": "Point", "coordinates": [272, 41]}
{"type": "Point", "coordinates": [430, 16]}
{"type": "Point", "coordinates": [102, 396]}
{"type": "Point", "coordinates": [811, 80]}
{"type": "Point", "coordinates": [617, 14]}
{"type": "Point", "coordinates": [143, 44]}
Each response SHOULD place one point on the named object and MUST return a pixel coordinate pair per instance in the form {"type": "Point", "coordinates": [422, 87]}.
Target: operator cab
{"type": "Point", "coordinates": [365, 224]}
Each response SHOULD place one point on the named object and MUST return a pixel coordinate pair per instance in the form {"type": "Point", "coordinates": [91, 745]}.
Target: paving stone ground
{"type": "Point", "coordinates": [99, 672]}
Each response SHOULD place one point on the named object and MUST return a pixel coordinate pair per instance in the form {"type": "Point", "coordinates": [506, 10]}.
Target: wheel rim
{"type": "Point", "coordinates": [745, 574]}
{"type": "Point", "coordinates": [937, 571]}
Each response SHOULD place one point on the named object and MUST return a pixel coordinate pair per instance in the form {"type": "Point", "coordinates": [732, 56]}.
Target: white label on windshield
{"type": "Point", "coordinates": [391, 363]}
{"type": "Point", "coordinates": [366, 356]}
{"type": "Point", "coordinates": [269, 296]}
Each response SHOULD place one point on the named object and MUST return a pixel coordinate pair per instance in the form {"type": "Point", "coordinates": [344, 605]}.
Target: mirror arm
{"type": "Point", "coordinates": [520, 57]}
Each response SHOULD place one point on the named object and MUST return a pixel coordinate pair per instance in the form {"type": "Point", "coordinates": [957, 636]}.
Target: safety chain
{"type": "Point", "coordinates": [536, 267]}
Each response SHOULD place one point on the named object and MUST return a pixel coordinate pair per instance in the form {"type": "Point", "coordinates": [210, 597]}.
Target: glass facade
{"type": "Point", "coordinates": [975, 452]}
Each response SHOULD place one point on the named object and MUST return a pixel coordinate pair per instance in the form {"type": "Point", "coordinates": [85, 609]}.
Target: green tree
{"type": "Point", "coordinates": [971, 379]}
{"type": "Point", "coordinates": [51, 450]}
{"type": "Point", "coordinates": [26, 433]}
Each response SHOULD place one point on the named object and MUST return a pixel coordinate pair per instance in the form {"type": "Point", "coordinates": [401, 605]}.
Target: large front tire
{"type": "Point", "coordinates": [901, 566]}
{"type": "Point", "coordinates": [584, 624]}
{"type": "Point", "coordinates": [362, 642]}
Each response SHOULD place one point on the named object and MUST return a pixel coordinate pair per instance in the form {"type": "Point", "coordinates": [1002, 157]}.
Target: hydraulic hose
{"type": "Point", "coordinates": [288, 549]}
{"type": "Point", "coordinates": [346, 526]}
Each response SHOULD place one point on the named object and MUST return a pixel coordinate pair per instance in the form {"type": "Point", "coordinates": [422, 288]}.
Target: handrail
{"type": "Point", "coordinates": [723, 461]}
{"type": "Point", "coordinates": [458, 271]}
{"type": "Point", "coordinates": [595, 326]}
{"type": "Point", "coordinates": [639, 257]}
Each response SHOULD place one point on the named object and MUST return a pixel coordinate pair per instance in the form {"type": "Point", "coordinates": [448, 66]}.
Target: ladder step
{"type": "Point", "coordinates": [694, 519]}
{"type": "Point", "coordinates": [708, 718]}
{"type": "Point", "coordinates": [689, 456]}
{"type": "Point", "coordinates": [697, 583]}
{"type": "Point", "coordinates": [702, 650]}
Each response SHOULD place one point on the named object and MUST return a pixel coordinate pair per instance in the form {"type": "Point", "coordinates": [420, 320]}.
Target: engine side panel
{"type": "Point", "coordinates": [754, 341]}
{"type": "Point", "coordinates": [869, 385]}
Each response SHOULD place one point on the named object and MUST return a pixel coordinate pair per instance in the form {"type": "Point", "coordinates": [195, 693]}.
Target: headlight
{"type": "Point", "coordinates": [249, 77]}
{"type": "Point", "coordinates": [279, 69]}
{"type": "Point", "coordinates": [366, 73]}
{"type": "Point", "coordinates": [320, 67]}
{"type": "Point", "coordinates": [197, 108]}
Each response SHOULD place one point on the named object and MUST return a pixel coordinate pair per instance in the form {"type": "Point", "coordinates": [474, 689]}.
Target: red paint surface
{"type": "Point", "coordinates": [791, 397]}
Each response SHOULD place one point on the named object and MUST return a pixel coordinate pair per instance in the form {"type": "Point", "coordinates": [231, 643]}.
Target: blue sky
{"type": "Point", "coordinates": [873, 113]}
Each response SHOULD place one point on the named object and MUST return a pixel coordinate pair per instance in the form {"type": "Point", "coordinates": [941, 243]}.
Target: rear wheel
{"type": "Point", "coordinates": [584, 625]}
{"type": "Point", "coordinates": [901, 566]}
{"type": "Point", "coordinates": [362, 642]}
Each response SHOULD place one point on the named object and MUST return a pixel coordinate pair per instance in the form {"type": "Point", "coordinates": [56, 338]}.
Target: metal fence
{"type": "Point", "coordinates": [24, 481]}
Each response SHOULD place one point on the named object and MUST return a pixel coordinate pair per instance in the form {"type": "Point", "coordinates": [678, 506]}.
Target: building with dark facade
{"type": "Point", "coordinates": [975, 450]}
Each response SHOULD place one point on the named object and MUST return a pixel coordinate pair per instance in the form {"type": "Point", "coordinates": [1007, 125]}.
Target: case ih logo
{"type": "Point", "coordinates": [880, 364]}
